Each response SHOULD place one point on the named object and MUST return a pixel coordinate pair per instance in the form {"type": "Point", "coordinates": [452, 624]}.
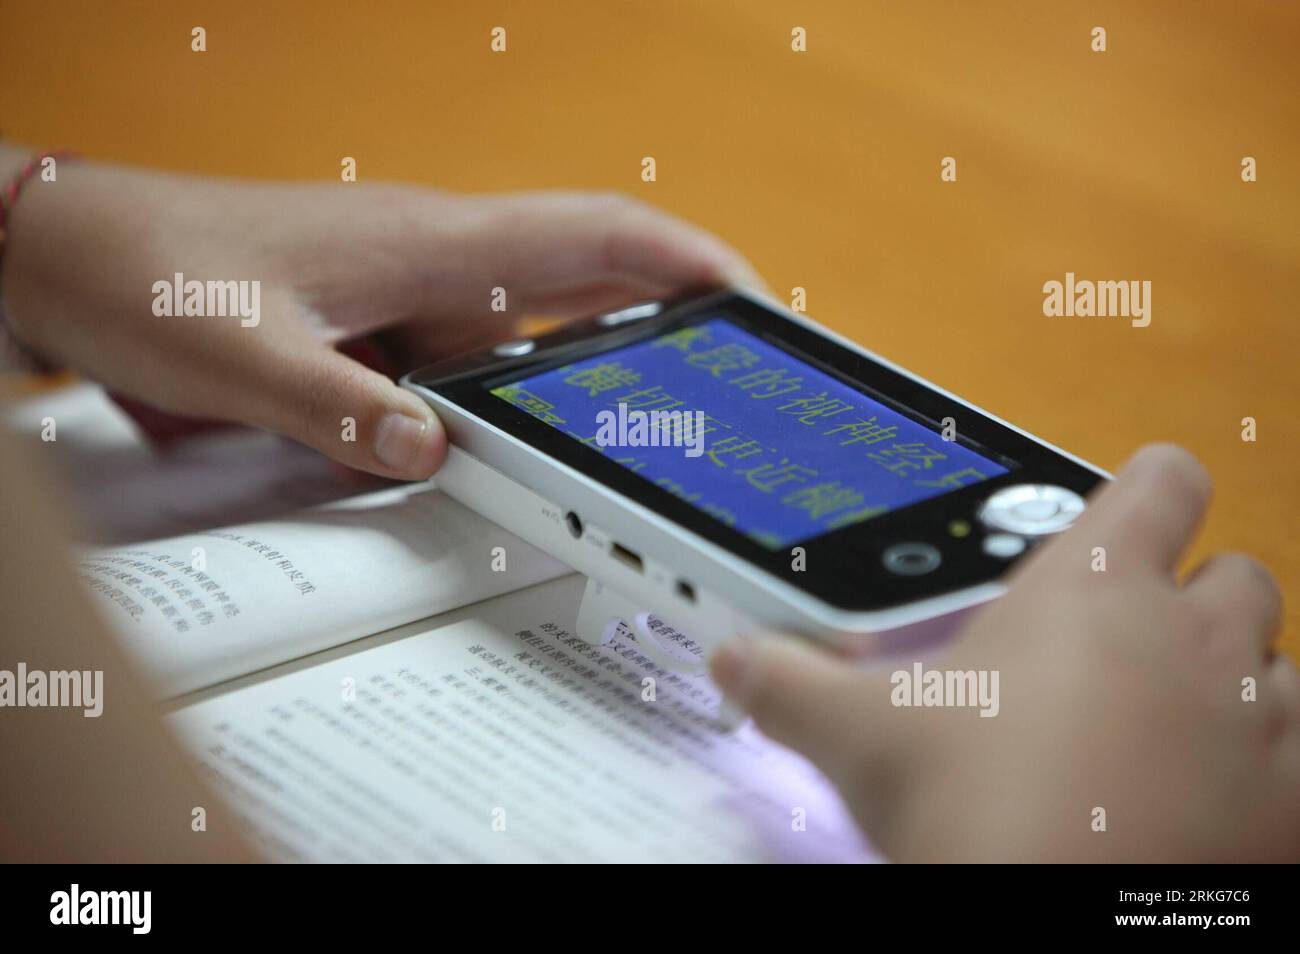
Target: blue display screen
{"type": "Point", "coordinates": [747, 432]}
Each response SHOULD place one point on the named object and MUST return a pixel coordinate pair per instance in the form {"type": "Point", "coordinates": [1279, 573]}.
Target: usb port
{"type": "Point", "coordinates": [624, 555]}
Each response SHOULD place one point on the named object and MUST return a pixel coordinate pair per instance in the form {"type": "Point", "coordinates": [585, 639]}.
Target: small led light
{"type": "Point", "coordinates": [959, 528]}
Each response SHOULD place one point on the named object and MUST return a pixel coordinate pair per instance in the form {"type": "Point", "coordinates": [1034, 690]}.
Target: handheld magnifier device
{"type": "Point", "coordinates": [719, 464]}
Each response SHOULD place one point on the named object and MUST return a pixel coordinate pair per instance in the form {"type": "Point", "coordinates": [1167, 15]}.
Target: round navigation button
{"type": "Point", "coordinates": [1037, 510]}
{"type": "Point", "coordinates": [1031, 509]}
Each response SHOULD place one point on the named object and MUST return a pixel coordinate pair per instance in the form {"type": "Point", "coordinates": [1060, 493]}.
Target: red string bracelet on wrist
{"type": "Point", "coordinates": [8, 199]}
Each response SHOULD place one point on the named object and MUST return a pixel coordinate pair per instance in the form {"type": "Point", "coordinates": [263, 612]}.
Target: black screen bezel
{"type": "Point", "coordinates": [867, 584]}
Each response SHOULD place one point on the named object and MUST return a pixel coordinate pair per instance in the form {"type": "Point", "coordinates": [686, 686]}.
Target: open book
{"type": "Point", "coordinates": [429, 706]}
{"type": "Point", "coordinates": [392, 677]}
{"type": "Point", "coordinates": [206, 607]}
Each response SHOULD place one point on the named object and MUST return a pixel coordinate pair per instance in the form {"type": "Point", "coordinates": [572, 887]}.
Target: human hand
{"type": "Point", "coordinates": [1120, 690]}
{"type": "Point", "coordinates": [334, 262]}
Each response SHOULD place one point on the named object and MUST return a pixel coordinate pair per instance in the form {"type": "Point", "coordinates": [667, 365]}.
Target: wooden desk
{"type": "Point", "coordinates": [823, 166]}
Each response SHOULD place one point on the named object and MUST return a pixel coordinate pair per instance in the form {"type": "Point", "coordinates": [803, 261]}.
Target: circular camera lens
{"type": "Point", "coordinates": [911, 559]}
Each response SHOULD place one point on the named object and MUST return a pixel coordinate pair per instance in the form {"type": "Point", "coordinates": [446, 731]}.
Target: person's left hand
{"type": "Point", "coordinates": [334, 262]}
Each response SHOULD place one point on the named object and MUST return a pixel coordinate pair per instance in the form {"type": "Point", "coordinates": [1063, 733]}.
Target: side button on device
{"type": "Point", "coordinates": [514, 349]}
{"type": "Point", "coordinates": [911, 559]}
{"type": "Point", "coordinates": [1031, 509]}
{"type": "Point", "coordinates": [646, 309]}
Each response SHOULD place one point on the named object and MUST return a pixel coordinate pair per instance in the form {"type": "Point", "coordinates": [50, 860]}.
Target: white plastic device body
{"type": "Point", "coordinates": [530, 493]}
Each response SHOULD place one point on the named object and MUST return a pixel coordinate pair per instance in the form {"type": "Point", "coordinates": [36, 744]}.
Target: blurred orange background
{"type": "Point", "coordinates": [822, 166]}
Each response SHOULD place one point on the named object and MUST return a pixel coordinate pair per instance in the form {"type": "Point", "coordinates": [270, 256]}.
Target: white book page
{"type": "Point", "coordinates": [206, 607]}
{"type": "Point", "coordinates": [120, 488]}
{"type": "Point", "coordinates": [495, 734]}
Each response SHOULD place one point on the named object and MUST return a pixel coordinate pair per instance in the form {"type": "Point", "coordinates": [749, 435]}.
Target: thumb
{"type": "Point", "coordinates": [357, 416]}
{"type": "Point", "coordinates": [799, 696]}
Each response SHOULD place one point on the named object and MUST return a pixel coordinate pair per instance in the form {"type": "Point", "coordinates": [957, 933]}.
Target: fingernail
{"type": "Point", "coordinates": [743, 274]}
{"type": "Point", "coordinates": [735, 670]}
{"type": "Point", "coordinates": [403, 442]}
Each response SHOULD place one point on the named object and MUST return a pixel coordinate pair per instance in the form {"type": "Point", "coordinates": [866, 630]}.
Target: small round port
{"type": "Point", "coordinates": [574, 523]}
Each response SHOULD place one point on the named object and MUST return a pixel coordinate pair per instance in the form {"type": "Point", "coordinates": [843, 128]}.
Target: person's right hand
{"type": "Point", "coordinates": [1120, 690]}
